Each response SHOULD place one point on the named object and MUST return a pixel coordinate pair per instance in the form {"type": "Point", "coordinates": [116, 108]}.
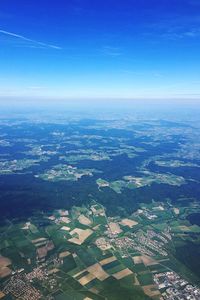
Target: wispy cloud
{"type": "Point", "coordinates": [193, 33]}
{"type": "Point", "coordinates": [149, 73]}
{"type": "Point", "coordinates": [36, 88]}
{"type": "Point", "coordinates": [174, 35]}
{"type": "Point", "coordinates": [111, 51]}
{"type": "Point", "coordinates": [174, 27]}
{"type": "Point", "coordinates": [33, 43]}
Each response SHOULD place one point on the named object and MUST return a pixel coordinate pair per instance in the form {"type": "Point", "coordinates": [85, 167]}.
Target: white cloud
{"type": "Point", "coordinates": [34, 42]}
{"type": "Point", "coordinates": [111, 51]}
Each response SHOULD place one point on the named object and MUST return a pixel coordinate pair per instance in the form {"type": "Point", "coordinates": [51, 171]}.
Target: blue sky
{"type": "Point", "coordinates": [97, 48]}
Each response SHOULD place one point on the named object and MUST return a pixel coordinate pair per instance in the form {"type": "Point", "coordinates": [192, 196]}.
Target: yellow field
{"type": "Point", "coordinates": [53, 271]}
{"type": "Point", "coordinates": [136, 281]}
{"type": "Point", "coordinates": [148, 261]}
{"type": "Point", "coordinates": [82, 235]}
{"type": "Point", "coordinates": [114, 227]}
{"type": "Point", "coordinates": [65, 219]}
{"type": "Point", "coordinates": [65, 228]}
{"type": "Point", "coordinates": [64, 254]}
{"type": "Point", "coordinates": [96, 227]}
{"type": "Point", "coordinates": [86, 279]}
{"type": "Point", "coordinates": [128, 222]}
{"type": "Point", "coordinates": [39, 240]}
{"type": "Point", "coordinates": [5, 271]}
{"type": "Point", "coordinates": [107, 260]}
{"type": "Point", "coordinates": [4, 261]}
{"type": "Point", "coordinates": [122, 274]}
{"type": "Point", "coordinates": [103, 244]}
{"type": "Point", "coordinates": [98, 272]}
{"type": "Point", "coordinates": [94, 290]}
{"type": "Point", "coordinates": [84, 220]}
{"type": "Point", "coordinates": [1, 294]}
{"type": "Point", "coordinates": [137, 259]}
